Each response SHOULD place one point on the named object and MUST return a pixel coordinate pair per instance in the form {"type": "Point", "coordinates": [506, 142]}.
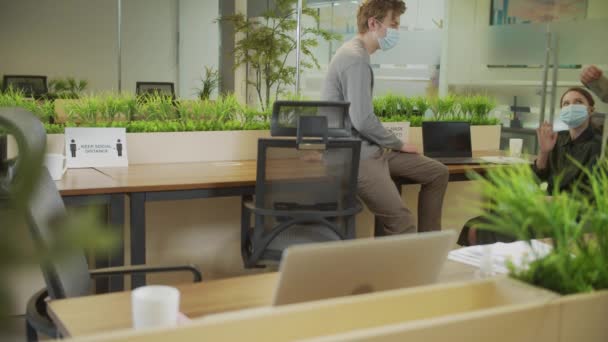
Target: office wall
{"type": "Point", "coordinates": [60, 38]}
{"type": "Point", "coordinates": [199, 43]}
{"type": "Point", "coordinates": [149, 42]}
{"type": "Point", "coordinates": [78, 38]}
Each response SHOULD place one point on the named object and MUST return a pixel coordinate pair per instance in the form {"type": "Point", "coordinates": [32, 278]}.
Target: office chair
{"type": "Point", "coordinates": [306, 188]}
{"type": "Point", "coordinates": [69, 276]}
{"type": "Point", "coordinates": [31, 86]}
{"type": "Point", "coordinates": [152, 88]}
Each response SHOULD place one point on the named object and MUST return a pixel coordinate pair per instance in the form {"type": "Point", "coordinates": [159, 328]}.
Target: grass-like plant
{"type": "Point", "coordinates": [156, 106]}
{"type": "Point", "coordinates": [577, 223]}
{"type": "Point", "coordinates": [85, 110]}
{"type": "Point", "coordinates": [68, 88]}
{"type": "Point", "coordinates": [422, 104]}
{"type": "Point", "coordinates": [43, 109]}
{"type": "Point", "coordinates": [443, 106]}
{"type": "Point", "coordinates": [481, 106]}
{"type": "Point", "coordinates": [209, 83]}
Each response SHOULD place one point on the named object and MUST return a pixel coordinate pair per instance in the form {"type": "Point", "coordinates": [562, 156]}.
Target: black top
{"type": "Point", "coordinates": [585, 149]}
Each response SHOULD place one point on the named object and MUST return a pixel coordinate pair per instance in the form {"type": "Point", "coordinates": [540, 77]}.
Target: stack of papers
{"type": "Point", "coordinates": [520, 253]}
{"type": "Point", "coordinates": [504, 160]}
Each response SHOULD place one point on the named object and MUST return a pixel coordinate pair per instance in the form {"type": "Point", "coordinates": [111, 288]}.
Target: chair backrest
{"type": "Point", "coordinates": [42, 205]}
{"type": "Point", "coordinates": [314, 180]}
{"type": "Point", "coordinates": [160, 88]}
{"type": "Point", "coordinates": [65, 276]}
{"type": "Point", "coordinates": [286, 114]}
{"type": "Point", "coordinates": [31, 86]}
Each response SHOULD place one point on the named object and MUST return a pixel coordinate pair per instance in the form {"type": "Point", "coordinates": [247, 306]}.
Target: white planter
{"type": "Point", "coordinates": [183, 147]}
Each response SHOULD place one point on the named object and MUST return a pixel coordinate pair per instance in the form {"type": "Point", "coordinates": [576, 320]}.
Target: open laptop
{"type": "Point", "coordinates": [448, 142]}
{"type": "Point", "coordinates": [343, 268]}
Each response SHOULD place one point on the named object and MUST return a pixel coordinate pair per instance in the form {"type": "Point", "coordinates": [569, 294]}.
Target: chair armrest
{"type": "Point", "coordinates": [196, 273]}
{"type": "Point", "coordinates": [37, 317]}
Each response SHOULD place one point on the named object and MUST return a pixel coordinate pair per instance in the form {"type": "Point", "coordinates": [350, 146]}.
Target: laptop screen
{"type": "Point", "coordinates": [446, 139]}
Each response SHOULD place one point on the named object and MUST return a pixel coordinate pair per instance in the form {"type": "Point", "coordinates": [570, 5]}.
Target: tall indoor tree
{"type": "Point", "coordinates": [268, 42]}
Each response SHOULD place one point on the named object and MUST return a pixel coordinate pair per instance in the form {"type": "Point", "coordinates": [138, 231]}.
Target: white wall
{"type": "Point", "coordinates": [60, 38]}
{"type": "Point", "coordinates": [78, 38]}
{"type": "Point", "coordinates": [199, 43]}
{"type": "Point", "coordinates": [149, 42]}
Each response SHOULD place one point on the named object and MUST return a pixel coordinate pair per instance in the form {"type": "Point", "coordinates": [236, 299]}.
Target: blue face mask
{"type": "Point", "coordinates": [574, 115]}
{"type": "Point", "coordinates": [390, 40]}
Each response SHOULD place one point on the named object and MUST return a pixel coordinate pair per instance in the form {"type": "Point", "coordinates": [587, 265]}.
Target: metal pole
{"type": "Point", "coordinates": [298, 47]}
{"type": "Point", "coordinates": [543, 99]}
{"type": "Point", "coordinates": [119, 6]}
{"type": "Point", "coordinates": [555, 52]}
{"type": "Point", "coordinates": [177, 47]}
{"type": "Point", "coordinates": [445, 48]}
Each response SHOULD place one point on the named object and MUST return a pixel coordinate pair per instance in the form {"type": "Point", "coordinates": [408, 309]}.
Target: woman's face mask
{"type": "Point", "coordinates": [574, 115]}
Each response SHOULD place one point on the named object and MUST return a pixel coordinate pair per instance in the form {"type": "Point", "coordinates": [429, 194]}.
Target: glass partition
{"type": "Point", "coordinates": [411, 68]}
{"type": "Point", "coordinates": [508, 49]}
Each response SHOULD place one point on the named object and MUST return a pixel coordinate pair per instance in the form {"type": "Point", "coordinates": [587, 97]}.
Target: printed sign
{"type": "Point", "coordinates": [400, 129]}
{"type": "Point", "coordinates": [95, 147]}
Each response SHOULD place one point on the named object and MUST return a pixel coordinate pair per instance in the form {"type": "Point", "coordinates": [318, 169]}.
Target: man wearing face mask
{"type": "Point", "coordinates": [350, 78]}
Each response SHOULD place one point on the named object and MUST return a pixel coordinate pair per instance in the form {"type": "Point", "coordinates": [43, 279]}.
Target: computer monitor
{"type": "Point", "coordinates": [446, 139]}
{"type": "Point", "coordinates": [342, 268]}
{"type": "Point", "coordinates": [31, 86]}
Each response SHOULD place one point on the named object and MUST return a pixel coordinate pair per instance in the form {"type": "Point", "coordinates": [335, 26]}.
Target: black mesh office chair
{"type": "Point", "coordinates": [155, 88]}
{"type": "Point", "coordinates": [69, 276]}
{"type": "Point", "coordinates": [31, 86]}
{"type": "Point", "coordinates": [306, 188]}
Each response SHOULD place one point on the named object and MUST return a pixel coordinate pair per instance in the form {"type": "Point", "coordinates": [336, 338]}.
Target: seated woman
{"type": "Point", "coordinates": [579, 142]}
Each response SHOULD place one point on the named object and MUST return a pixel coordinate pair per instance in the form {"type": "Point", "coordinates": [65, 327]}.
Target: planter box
{"type": "Point", "coordinates": [430, 308]}
{"type": "Point", "coordinates": [177, 147]}
{"type": "Point", "coordinates": [183, 147]}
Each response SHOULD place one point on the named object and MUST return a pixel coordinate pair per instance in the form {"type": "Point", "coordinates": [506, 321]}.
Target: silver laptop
{"type": "Point", "coordinates": [343, 268]}
{"type": "Point", "coordinates": [448, 142]}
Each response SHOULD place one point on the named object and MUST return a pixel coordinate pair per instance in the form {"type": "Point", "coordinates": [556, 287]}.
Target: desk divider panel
{"type": "Point", "coordinates": [434, 308]}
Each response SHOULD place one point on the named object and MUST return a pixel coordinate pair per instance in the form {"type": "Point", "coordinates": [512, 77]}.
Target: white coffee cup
{"type": "Point", "coordinates": [56, 164]}
{"type": "Point", "coordinates": [155, 306]}
{"type": "Point", "coordinates": [515, 147]}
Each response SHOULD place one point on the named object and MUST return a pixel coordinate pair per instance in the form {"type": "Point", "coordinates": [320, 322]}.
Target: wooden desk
{"type": "Point", "coordinates": [182, 181]}
{"type": "Point", "coordinates": [103, 313]}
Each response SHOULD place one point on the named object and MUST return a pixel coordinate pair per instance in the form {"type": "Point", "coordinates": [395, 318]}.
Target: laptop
{"type": "Point", "coordinates": [448, 142]}
{"type": "Point", "coordinates": [343, 268]}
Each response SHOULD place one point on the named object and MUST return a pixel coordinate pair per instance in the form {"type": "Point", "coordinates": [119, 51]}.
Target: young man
{"type": "Point", "coordinates": [350, 78]}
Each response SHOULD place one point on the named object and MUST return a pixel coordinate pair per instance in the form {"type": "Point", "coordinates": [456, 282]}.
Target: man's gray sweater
{"type": "Point", "coordinates": [350, 78]}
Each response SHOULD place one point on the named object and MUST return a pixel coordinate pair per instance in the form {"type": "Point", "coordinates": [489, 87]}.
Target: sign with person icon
{"type": "Point", "coordinates": [95, 147]}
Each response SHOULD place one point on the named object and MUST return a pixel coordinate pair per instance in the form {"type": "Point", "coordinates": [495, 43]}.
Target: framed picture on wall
{"type": "Point", "coordinates": [509, 12]}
